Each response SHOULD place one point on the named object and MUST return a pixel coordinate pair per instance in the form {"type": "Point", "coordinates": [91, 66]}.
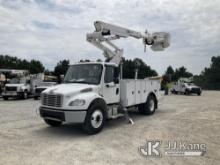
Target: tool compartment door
{"type": "Point", "coordinates": [127, 93]}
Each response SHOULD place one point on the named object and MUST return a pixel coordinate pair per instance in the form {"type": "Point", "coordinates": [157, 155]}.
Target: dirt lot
{"type": "Point", "coordinates": [25, 139]}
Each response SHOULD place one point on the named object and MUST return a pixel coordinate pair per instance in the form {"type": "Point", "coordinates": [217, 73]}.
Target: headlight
{"type": "Point", "coordinates": [77, 102]}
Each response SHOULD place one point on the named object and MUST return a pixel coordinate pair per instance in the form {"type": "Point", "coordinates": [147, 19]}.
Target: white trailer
{"type": "Point", "coordinates": [94, 92]}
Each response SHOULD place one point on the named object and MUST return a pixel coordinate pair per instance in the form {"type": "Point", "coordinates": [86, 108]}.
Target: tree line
{"type": "Point", "coordinates": [208, 79]}
{"type": "Point", "coordinates": [35, 66]}
{"type": "Point", "coordinates": [9, 62]}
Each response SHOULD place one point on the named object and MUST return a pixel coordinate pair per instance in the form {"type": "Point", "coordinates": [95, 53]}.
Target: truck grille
{"type": "Point", "coordinates": [11, 88]}
{"type": "Point", "coordinates": [52, 100]}
{"type": "Point", "coordinates": [195, 90]}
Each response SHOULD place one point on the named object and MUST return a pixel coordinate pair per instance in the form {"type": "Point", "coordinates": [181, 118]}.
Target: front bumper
{"type": "Point", "coordinates": [195, 90]}
{"type": "Point", "coordinates": [72, 116]}
{"type": "Point", "coordinates": [12, 93]}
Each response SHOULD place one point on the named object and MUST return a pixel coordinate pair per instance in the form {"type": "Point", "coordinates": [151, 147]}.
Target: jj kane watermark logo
{"type": "Point", "coordinates": [153, 148]}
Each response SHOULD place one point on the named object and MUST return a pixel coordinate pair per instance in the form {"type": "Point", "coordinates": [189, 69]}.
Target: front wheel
{"type": "Point", "coordinates": [95, 119]}
{"type": "Point", "coordinates": [53, 123]}
{"type": "Point", "coordinates": [149, 107]}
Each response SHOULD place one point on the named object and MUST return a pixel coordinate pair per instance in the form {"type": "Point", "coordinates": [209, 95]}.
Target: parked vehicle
{"type": "Point", "coordinates": [94, 92]}
{"type": "Point", "coordinates": [17, 87]}
{"type": "Point", "coordinates": [186, 88]}
{"type": "Point", "coordinates": [41, 87]}
{"type": "Point", "coordinates": [21, 86]}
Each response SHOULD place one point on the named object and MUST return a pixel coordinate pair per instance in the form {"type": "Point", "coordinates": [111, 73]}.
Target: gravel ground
{"type": "Point", "coordinates": [25, 139]}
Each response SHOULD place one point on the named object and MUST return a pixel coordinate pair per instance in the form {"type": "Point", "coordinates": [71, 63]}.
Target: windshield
{"type": "Point", "coordinates": [17, 81]}
{"type": "Point", "coordinates": [190, 84]}
{"type": "Point", "coordinates": [84, 73]}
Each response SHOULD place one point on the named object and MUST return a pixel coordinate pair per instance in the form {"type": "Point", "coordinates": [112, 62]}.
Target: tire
{"type": "Point", "coordinates": [186, 92]}
{"type": "Point", "coordinates": [95, 119]}
{"type": "Point", "coordinates": [53, 123]}
{"type": "Point", "coordinates": [199, 93]}
{"type": "Point", "coordinates": [5, 97]}
{"type": "Point", "coordinates": [149, 107]}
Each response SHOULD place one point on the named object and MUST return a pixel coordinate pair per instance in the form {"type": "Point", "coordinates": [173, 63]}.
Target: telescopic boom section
{"type": "Point", "coordinates": [105, 33]}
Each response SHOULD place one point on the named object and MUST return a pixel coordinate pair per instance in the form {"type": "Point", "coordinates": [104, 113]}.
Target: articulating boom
{"type": "Point", "coordinates": [105, 33]}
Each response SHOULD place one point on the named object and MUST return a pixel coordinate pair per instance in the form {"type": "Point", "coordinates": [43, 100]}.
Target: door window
{"type": "Point", "coordinates": [109, 74]}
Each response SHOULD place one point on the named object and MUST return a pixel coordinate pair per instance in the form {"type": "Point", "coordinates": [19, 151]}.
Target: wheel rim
{"type": "Point", "coordinates": [151, 105]}
{"type": "Point", "coordinates": [96, 119]}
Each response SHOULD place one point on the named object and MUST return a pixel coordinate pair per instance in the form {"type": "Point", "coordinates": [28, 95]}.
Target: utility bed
{"type": "Point", "coordinates": [135, 92]}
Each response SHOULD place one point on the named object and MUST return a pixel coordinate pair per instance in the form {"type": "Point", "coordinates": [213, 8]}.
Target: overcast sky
{"type": "Point", "coordinates": [51, 30]}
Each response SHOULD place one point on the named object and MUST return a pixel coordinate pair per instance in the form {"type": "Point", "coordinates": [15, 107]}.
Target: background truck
{"type": "Point", "coordinates": [185, 86]}
{"type": "Point", "coordinates": [94, 92]}
{"type": "Point", "coordinates": [22, 85]}
{"type": "Point", "coordinates": [41, 87]}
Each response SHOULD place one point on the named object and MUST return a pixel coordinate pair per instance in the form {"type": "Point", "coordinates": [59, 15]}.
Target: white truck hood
{"type": "Point", "coordinates": [70, 88]}
{"type": "Point", "coordinates": [14, 85]}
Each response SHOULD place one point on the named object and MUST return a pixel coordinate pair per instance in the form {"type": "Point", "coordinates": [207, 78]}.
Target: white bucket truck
{"type": "Point", "coordinates": [94, 92]}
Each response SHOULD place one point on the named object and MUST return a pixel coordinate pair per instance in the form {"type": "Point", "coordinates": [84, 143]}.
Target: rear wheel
{"type": "Point", "coordinates": [149, 107]}
{"type": "Point", "coordinates": [5, 97]}
{"type": "Point", "coordinates": [95, 119]}
{"type": "Point", "coordinates": [53, 123]}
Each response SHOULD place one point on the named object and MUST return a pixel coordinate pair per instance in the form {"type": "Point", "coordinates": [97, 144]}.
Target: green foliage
{"type": "Point", "coordinates": [48, 72]}
{"type": "Point", "coordinates": [9, 62]}
{"type": "Point", "coordinates": [36, 67]}
{"type": "Point", "coordinates": [98, 60]}
{"type": "Point", "coordinates": [85, 60]}
{"type": "Point", "coordinates": [171, 75]}
{"type": "Point", "coordinates": [181, 72]}
{"type": "Point", "coordinates": [144, 71]}
{"type": "Point", "coordinates": [169, 71]}
{"type": "Point", "coordinates": [210, 77]}
{"type": "Point", "coordinates": [61, 67]}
